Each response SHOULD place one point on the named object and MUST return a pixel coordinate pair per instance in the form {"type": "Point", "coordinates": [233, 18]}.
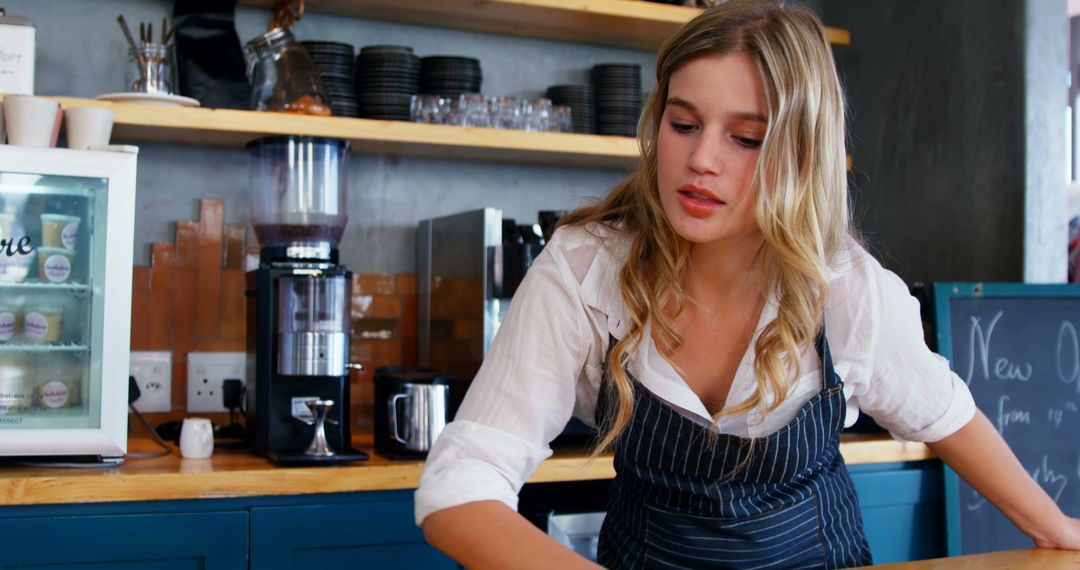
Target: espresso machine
{"type": "Point", "coordinates": [470, 266]}
{"type": "Point", "coordinates": [299, 302]}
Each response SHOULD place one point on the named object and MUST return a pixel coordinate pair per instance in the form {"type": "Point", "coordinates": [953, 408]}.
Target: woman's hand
{"type": "Point", "coordinates": [978, 454]}
{"type": "Point", "coordinates": [1066, 538]}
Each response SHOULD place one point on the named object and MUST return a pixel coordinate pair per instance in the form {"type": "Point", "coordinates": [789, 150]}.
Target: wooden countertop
{"type": "Point", "coordinates": [1030, 559]}
{"type": "Point", "coordinates": [241, 474]}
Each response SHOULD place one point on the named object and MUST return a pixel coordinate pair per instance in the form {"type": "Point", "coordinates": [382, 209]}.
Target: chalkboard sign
{"type": "Point", "coordinates": [1018, 348]}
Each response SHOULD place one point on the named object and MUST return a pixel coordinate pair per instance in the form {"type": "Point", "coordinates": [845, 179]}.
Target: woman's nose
{"type": "Point", "coordinates": [705, 156]}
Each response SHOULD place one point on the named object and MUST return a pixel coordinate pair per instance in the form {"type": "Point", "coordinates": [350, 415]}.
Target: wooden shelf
{"type": "Point", "coordinates": [226, 127]}
{"type": "Point", "coordinates": [622, 23]}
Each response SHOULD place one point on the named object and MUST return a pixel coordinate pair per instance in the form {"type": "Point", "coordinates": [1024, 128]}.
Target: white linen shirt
{"type": "Point", "coordinates": [545, 365]}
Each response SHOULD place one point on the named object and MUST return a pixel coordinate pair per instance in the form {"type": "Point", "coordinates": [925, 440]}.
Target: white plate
{"type": "Point", "coordinates": [150, 99]}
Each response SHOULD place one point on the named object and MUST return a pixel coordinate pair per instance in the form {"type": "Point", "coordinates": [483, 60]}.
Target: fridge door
{"type": "Point", "coordinates": [66, 230]}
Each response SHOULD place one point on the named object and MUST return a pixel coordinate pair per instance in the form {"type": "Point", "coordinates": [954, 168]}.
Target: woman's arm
{"type": "Point", "coordinates": [489, 534]}
{"type": "Point", "coordinates": [519, 400]}
{"type": "Point", "coordinates": [979, 455]}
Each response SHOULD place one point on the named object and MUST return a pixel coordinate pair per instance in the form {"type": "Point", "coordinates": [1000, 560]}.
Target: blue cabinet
{"type": "Point", "coordinates": [902, 509]}
{"type": "Point", "coordinates": [176, 541]}
{"type": "Point", "coordinates": [346, 530]}
{"type": "Point", "coordinates": [359, 534]}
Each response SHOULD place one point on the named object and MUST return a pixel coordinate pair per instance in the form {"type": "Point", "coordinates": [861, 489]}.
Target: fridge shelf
{"type": "Point", "coordinates": [47, 286]}
{"type": "Point", "coordinates": [44, 347]}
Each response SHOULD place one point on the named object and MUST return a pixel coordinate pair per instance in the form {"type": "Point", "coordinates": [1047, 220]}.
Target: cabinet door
{"type": "Point", "coordinates": [902, 510]}
{"type": "Point", "coordinates": [210, 541]}
{"type": "Point", "coordinates": [361, 535]}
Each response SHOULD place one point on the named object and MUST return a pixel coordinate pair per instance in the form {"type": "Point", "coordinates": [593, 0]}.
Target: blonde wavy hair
{"type": "Point", "coordinates": [801, 208]}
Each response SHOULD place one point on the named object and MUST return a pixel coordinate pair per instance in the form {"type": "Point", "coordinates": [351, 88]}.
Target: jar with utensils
{"type": "Point", "coordinates": [151, 62]}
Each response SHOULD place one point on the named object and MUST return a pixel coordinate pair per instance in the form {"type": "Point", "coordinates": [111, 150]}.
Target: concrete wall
{"type": "Point", "coordinates": [957, 134]}
{"type": "Point", "coordinates": [81, 52]}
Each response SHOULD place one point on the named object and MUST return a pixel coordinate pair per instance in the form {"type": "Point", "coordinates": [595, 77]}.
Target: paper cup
{"type": "Point", "coordinates": [31, 121]}
{"type": "Point", "coordinates": [88, 126]}
{"type": "Point", "coordinates": [59, 230]}
{"type": "Point", "coordinates": [55, 265]}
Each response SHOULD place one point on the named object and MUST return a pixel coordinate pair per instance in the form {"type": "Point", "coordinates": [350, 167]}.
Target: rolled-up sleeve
{"type": "Point", "coordinates": [520, 399]}
{"type": "Point", "coordinates": [908, 389]}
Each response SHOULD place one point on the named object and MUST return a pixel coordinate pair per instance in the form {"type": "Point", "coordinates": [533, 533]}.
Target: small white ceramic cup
{"type": "Point", "coordinates": [196, 439]}
{"type": "Point", "coordinates": [88, 126]}
{"type": "Point", "coordinates": [31, 121]}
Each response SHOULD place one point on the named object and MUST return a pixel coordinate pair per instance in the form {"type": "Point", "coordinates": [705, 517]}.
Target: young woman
{"type": "Point", "coordinates": [717, 320]}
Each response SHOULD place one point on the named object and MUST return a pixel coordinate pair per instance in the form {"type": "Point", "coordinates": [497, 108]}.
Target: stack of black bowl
{"type": "Point", "coordinates": [450, 75]}
{"type": "Point", "coordinates": [617, 88]}
{"type": "Point", "coordinates": [580, 100]}
{"type": "Point", "coordinates": [334, 62]}
{"type": "Point", "coordinates": [386, 79]}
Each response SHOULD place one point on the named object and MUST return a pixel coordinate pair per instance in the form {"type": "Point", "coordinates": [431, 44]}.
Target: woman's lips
{"type": "Point", "coordinates": [699, 202]}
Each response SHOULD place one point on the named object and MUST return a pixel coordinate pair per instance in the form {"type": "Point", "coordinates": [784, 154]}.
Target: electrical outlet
{"type": "Point", "coordinates": [153, 374]}
{"type": "Point", "coordinates": [206, 372]}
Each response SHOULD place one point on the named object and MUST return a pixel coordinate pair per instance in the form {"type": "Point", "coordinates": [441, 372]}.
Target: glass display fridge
{"type": "Point", "coordinates": [66, 230]}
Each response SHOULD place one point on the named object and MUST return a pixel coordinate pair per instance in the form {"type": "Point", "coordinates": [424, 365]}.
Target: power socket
{"type": "Point", "coordinates": [153, 374]}
{"type": "Point", "coordinates": [206, 373]}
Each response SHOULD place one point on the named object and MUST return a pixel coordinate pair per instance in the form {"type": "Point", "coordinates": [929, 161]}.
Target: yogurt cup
{"type": "Point", "coordinates": [57, 379]}
{"type": "Point", "coordinates": [8, 224]}
{"type": "Point", "coordinates": [42, 324]}
{"type": "Point", "coordinates": [16, 392]}
{"type": "Point", "coordinates": [60, 231]}
{"type": "Point", "coordinates": [9, 322]}
{"type": "Point", "coordinates": [55, 265]}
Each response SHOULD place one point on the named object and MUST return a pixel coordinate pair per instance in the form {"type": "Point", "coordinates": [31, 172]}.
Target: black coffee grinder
{"type": "Point", "coordinates": [299, 302]}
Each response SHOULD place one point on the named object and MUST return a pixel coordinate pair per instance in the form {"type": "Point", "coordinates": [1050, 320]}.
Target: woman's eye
{"type": "Point", "coordinates": [682, 127]}
{"type": "Point", "coordinates": [748, 142]}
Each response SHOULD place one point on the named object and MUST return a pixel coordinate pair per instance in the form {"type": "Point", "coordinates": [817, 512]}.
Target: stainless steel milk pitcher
{"type": "Point", "coordinates": [418, 415]}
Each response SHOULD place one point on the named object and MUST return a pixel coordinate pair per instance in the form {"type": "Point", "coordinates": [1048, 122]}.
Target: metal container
{"type": "Point", "coordinates": [17, 40]}
{"type": "Point", "coordinates": [313, 325]}
{"type": "Point", "coordinates": [418, 415]}
{"type": "Point", "coordinates": [412, 406]}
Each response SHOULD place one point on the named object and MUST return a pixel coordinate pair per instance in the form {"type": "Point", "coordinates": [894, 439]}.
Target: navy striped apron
{"type": "Point", "coordinates": [685, 496]}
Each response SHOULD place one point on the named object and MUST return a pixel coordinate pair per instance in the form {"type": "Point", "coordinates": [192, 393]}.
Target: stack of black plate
{"type": "Point", "coordinates": [617, 87]}
{"type": "Point", "coordinates": [580, 100]}
{"type": "Point", "coordinates": [334, 62]}
{"type": "Point", "coordinates": [450, 75]}
{"type": "Point", "coordinates": [386, 79]}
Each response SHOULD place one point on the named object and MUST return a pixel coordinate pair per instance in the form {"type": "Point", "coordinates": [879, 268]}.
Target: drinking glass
{"type": "Point", "coordinates": [427, 109]}
{"type": "Point", "coordinates": [506, 113]}
{"type": "Point", "coordinates": [562, 119]}
{"type": "Point", "coordinates": [538, 115]}
{"type": "Point", "coordinates": [473, 111]}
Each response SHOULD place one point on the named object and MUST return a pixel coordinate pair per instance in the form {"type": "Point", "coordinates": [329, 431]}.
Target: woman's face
{"type": "Point", "coordinates": [709, 140]}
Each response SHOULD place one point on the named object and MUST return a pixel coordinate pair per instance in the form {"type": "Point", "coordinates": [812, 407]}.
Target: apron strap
{"type": "Point", "coordinates": [829, 378]}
